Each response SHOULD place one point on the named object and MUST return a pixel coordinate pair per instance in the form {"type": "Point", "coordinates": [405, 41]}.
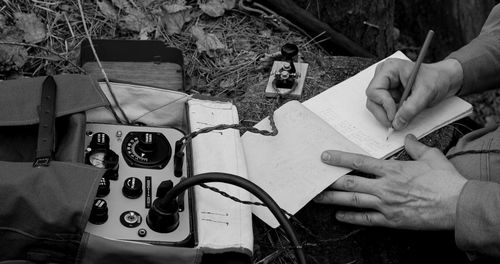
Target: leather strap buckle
{"type": "Point", "coordinates": [46, 129]}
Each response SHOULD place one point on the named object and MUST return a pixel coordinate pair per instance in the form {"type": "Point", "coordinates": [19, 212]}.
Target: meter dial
{"type": "Point", "coordinates": [99, 155]}
{"type": "Point", "coordinates": [146, 150]}
{"type": "Point", "coordinates": [96, 159]}
{"type": "Point", "coordinates": [103, 159]}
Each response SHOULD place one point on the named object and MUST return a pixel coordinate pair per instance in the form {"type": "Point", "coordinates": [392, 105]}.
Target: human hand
{"type": "Point", "coordinates": [434, 82]}
{"type": "Point", "coordinates": [418, 194]}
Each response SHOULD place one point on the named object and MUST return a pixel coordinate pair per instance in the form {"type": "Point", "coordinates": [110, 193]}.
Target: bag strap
{"type": "Point", "coordinates": [46, 130]}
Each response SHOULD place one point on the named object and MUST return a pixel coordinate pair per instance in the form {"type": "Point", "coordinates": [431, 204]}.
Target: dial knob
{"type": "Point", "coordinates": [103, 188]}
{"type": "Point", "coordinates": [99, 141]}
{"type": "Point", "coordinates": [146, 150]}
{"type": "Point", "coordinates": [146, 145]}
{"type": "Point", "coordinates": [99, 213]}
{"type": "Point", "coordinates": [132, 187]}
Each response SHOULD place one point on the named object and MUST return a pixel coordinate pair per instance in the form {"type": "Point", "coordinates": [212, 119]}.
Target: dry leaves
{"type": "Point", "coordinates": [216, 8]}
{"type": "Point", "coordinates": [107, 9]}
{"type": "Point", "coordinates": [28, 28]}
{"type": "Point", "coordinates": [138, 16]}
{"type": "Point", "coordinates": [176, 14]}
{"type": "Point", "coordinates": [207, 42]}
{"type": "Point", "coordinates": [24, 25]}
{"type": "Point", "coordinates": [32, 27]}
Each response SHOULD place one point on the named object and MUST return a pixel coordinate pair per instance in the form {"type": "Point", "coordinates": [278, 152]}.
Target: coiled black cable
{"type": "Point", "coordinates": [250, 187]}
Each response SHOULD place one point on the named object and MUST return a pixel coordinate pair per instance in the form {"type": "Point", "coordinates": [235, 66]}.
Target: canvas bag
{"type": "Point", "coordinates": [43, 211]}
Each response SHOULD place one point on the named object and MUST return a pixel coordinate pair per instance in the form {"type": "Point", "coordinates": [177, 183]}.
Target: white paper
{"type": "Point", "coordinates": [288, 165]}
{"type": "Point", "coordinates": [343, 107]}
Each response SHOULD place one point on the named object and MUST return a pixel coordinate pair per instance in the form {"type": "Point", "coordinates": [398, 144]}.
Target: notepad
{"type": "Point", "coordinates": [288, 165]}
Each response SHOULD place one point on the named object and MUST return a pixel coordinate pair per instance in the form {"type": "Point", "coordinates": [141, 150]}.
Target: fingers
{"type": "Point", "coordinates": [363, 218]}
{"type": "Point", "coordinates": [419, 151]}
{"type": "Point", "coordinates": [384, 112]}
{"type": "Point", "coordinates": [414, 104]}
{"type": "Point", "coordinates": [351, 199]}
{"type": "Point", "coordinates": [380, 92]}
{"type": "Point", "coordinates": [353, 161]}
{"type": "Point", "coordinates": [353, 183]}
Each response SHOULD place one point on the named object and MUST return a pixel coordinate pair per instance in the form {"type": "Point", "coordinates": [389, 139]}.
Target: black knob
{"type": "Point", "coordinates": [111, 174]}
{"type": "Point", "coordinates": [99, 141]}
{"type": "Point", "coordinates": [132, 187]}
{"type": "Point", "coordinates": [99, 212]}
{"type": "Point", "coordinates": [163, 218]}
{"type": "Point", "coordinates": [289, 51]}
{"type": "Point", "coordinates": [146, 143]}
{"type": "Point", "coordinates": [103, 188]}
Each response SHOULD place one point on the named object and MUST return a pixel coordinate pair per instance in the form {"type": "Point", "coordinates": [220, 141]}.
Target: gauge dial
{"type": "Point", "coordinates": [102, 158]}
{"type": "Point", "coordinates": [96, 159]}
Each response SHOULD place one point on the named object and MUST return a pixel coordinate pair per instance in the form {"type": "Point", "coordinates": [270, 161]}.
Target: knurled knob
{"type": "Point", "coordinates": [99, 212]}
{"type": "Point", "coordinates": [132, 187]}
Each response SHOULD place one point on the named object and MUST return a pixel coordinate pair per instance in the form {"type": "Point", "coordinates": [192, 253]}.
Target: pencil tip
{"type": "Point", "coordinates": [389, 132]}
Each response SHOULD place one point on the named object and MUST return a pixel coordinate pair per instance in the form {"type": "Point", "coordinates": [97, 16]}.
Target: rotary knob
{"type": "Point", "coordinates": [99, 141]}
{"type": "Point", "coordinates": [146, 150]}
{"type": "Point", "coordinates": [99, 213]}
{"type": "Point", "coordinates": [132, 187]}
{"type": "Point", "coordinates": [146, 145]}
{"type": "Point", "coordinates": [103, 188]}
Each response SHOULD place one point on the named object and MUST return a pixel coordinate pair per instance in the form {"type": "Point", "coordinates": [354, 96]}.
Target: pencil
{"type": "Point", "coordinates": [413, 75]}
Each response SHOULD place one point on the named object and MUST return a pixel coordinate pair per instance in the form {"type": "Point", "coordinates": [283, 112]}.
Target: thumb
{"type": "Point", "coordinates": [416, 149]}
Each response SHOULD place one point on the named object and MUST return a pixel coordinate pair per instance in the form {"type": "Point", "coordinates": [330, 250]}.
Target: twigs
{"type": "Point", "coordinates": [44, 49]}
{"type": "Point", "coordinates": [108, 84]}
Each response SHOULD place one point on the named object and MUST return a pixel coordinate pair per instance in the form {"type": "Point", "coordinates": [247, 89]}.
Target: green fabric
{"type": "Point", "coordinates": [477, 223]}
{"type": "Point", "coordinates": [20, 98]}
{"type": "Point", "coordinates": [18, 143]}
{"type": "Point", "coordinates": [477, 226]}
{"type": "Point", "coordinates": [43, 211]}
{"type": "Point", "coordinates": [480, 59]}
{"type": "Point", "coordinates": [478, 218]}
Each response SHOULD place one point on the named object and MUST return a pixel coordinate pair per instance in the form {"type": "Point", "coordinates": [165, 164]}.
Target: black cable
{"type": "Point", "coordinates": [250, 187]}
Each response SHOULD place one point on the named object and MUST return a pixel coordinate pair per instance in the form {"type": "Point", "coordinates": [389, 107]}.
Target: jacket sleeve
{"type": "Point", "coordinates": [477, 225]}
{"type": "Point", "coordinates": [480, 59]}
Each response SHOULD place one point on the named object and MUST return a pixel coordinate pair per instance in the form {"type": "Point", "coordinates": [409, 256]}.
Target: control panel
{"type": "Point", "coordinates": [140, 167]}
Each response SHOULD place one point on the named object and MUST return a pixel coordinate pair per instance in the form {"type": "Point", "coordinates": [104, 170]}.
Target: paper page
{"type": "Point", "coordinates": [343, 107]}
{"type": "Point", "coordinates": [221, 222]}
{"type": "Point", "coordinates": [288, 166]}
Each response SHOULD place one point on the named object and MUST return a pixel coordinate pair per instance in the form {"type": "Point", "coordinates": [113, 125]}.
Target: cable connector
{"type": "Point", "coordinates": [178, 158]}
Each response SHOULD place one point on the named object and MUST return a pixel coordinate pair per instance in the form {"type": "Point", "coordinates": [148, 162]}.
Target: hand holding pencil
{"type": "Point", "coordinates": [424, 84]}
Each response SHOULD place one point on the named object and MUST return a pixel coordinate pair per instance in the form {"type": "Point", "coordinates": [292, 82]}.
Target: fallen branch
{"type": "Point", "coordinates": [304, 19]}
